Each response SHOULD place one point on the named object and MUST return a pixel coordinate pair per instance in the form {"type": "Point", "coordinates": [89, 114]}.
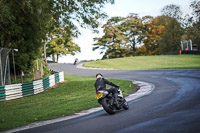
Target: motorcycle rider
{"type": "Point", "coordinates": [100, 84]}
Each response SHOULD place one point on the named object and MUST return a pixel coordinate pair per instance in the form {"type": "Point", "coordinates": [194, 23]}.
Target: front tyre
{"type": "Point", "coordinates": [106, 106]}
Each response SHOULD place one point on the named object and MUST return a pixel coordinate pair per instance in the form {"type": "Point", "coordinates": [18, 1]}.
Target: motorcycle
{"type": "Point", "coordinates": [106, 99]}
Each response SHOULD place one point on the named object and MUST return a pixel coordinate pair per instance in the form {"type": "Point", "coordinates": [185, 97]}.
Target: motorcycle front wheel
{"type": "Point", "coordinates": [125, 106]}
{"type": "Point", "coordinates": [106, 106]}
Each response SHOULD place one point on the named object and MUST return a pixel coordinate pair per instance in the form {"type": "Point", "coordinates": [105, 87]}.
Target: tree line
{"type": "Point", "coordinates": [134, 35]}
{"type": "Point", "coordinates": [37, 26]}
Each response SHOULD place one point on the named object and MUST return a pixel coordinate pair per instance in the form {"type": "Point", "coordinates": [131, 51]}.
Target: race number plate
{"type": "Point", "coordinates": [99, 95]}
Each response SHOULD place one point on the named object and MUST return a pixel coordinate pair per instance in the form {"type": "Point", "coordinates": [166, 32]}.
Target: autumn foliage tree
{"type": "Point", "coordinates": [149, 35]}
{"type": "Point", "coordinates": [153, 34]}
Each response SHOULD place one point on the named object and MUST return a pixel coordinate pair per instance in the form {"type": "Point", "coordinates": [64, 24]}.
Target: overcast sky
{"type": "Point", "coordinates": [120, 8]}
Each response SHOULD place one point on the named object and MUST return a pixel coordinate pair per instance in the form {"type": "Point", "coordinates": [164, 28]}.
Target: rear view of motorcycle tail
{"type": "Point", "coordinates": [106, 99]}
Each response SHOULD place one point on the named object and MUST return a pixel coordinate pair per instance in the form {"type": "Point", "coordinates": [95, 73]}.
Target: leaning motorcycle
{"type": "Point", "coordinates": [106, 99]}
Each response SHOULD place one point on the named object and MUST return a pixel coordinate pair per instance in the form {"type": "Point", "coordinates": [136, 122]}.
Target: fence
{"type": "Point", "coordinates": [191, 52]}
{"type": "Point", "coordinates": [9, 92]}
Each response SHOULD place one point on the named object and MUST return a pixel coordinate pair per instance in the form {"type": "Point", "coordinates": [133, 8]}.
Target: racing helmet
{"type": "Point", "coordinates": [99, 74]}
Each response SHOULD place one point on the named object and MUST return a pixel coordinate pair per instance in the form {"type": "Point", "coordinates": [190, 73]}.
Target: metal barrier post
{"type": "Point", "coordinates": [7, 66]}
{"type": "Point", "coordinates": [9, 80]}
{"type": "Point", "coordinates": [14, 65]}
{"type": "Point", "coordinates": [1, 73]}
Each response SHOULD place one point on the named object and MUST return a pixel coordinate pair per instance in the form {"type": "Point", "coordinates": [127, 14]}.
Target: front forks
{"type": "Point", "coordinates": [112, 101]}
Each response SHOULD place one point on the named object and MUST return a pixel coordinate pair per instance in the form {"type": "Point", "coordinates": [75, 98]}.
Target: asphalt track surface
{"type": "Point", "coordinates": [173, 107]}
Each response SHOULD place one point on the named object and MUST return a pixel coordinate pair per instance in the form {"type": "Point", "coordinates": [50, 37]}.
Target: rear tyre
{"type": "Point", "coordinates": [106, 106]}
{"type": "Point", "coordinates": [125, 106]}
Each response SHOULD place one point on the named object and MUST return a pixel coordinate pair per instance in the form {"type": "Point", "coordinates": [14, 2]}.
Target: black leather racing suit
{"type": "Point", "coordinates": [100, 84]}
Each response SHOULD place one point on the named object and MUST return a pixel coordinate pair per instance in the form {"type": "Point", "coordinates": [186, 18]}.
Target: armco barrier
{"type": "Point", "coordinates": [9, 92]}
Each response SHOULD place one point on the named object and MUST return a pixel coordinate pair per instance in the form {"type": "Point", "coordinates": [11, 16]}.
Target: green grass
{"type": "Point", "coordinates": [149, 62]}
{"type": "Point", "coordinates": [77, 94]}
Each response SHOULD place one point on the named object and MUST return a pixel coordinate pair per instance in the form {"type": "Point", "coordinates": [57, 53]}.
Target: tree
{"type": "Point", "coordinates": [172, 11]}
{"type": "Point", "coordinates": [154, 30]}
{"type": "Point", "coordinates": [133, 30]}
{"type": "Point", "coordinates": [61, 43]}
{"type": "Point", "coordinates": [195, 5]}
{"type": "Point", "coordinates": [171, 37]}
{"type": "Point", "coordinates": [122, 34]}
{"type": "Point", "coordinates": [193, 32]}
{"type": "Point", "coordinates": [113, 41]}
{"type": "Point", "coordinates": [22, 27]}
{"type": "Point", "coordinates": [141, 51]}
{"type": "Point", "coordinates": [25, 24]}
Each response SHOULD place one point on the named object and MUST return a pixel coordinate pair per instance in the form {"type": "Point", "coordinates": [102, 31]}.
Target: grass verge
{"type": "Point", "coordinates": [149, 62]}
{"type": "Point", "coordinates": [77, 94]}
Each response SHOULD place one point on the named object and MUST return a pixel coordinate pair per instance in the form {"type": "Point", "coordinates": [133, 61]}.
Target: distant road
{"type": "Point", "coordinates": [173, 107]}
